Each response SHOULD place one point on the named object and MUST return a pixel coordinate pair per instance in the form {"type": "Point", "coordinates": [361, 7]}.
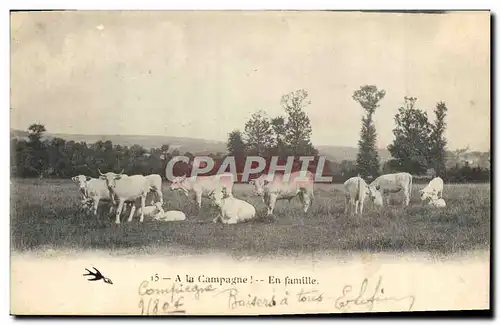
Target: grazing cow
{"type": "Point", "coordinates": [272, 189]}
{"type": "Point", "coordinates": [93, 191]}
{"type": "Point", "coordinates": [232, 210]}
{"type": "Point", "coordinates": [155, 185]}
{"type": "Point", "coordinates": [434, 188]}
{"type": "Point", "coordinates": [127, 189]}
{"type": "Point", "coordinates": [356, 191]}
{"type": "Point", "coordinates": [394, 183]}
{"type": "Point", "coordinates": [172, 215]}
{"type": "Point", "coordinates": [203, 186]}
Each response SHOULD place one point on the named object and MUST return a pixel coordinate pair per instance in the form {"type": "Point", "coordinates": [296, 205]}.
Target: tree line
{"type": "Point", "coordinates": [419, 146]}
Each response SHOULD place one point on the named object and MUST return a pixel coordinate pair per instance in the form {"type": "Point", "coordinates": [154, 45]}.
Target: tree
{"type": "Point", "coordinates": [36, 132]}
{"type": "Point", "coordinates": [411, 145]}
{"type": "Point", "coordinates": [236, 147]}
{"type": "Point", "coordinates": [367, 159]}
{"type": "Point", "coordinates": [235, 144]}
{"type": "Point", "coordinates": [36, 151]}
{"type": "Point", "coordinates": [438, 140]}
{"type": "Point", "coordinates": [297, 129]}
{"type": "Point", "coordinates": [258, 135]}
{"type": "Point", "coordinates": [279, 129]}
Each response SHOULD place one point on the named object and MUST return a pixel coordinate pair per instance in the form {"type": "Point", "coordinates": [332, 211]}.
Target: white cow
{"type": "Point", "coordinates": [155, 185]}
{"type": "Point", "coordinates": [434, 188]}
{"type": "Point", "coordinates": [127, 189]}
{"type": "Point", "coordinates": [436, 202]}
{"type": "Point", "coordinates": [151, 211]}
{"type": "Point", "coordinates": [277, 187]}
{"type": "Point", "coordinates": [232, 210]}
{"type": "Point", "coordinates": [93, 191]}
{"type": "Point", "coordinates": [82, 183]}
{"type": "Point", "coordinates": [203, 186]}
{"type": "Point", "coordinates": [172, 215]}
{"type": "Point", "coordinates": [394, 183]}
{"type": "Point", "coordinates": [356, 191]}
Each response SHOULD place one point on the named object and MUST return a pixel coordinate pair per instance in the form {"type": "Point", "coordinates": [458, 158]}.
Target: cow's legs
{"type": "Point", "coordinates": [198, 200]}
{"type": "Point", "coordinates": [346, 205]}
{"type": "Point", "coordinates": [143, 205]}
{"type": "Point", "coordinates": [306, 202]}
{"type": "Point", "coordinates": [160, 195]}
{"type": "Point", "coordinates": [361, 203]}
{"type": "Point", "coordinates": [96, 204]}
{"type": "Point", "coordinates": [217, 218]}
{"type": "Point", "coordinates": [352, 206]}
{"type": "Point", "coordinates": [271, 204]}
{"type": "Point", "coordinates": [231, 221]}
{"type": "Point", "coordinates": [119, 211]}
{"type": "Point", "coordinates": [406, 198]}
{"type": "Point", "coordinates": [132, 212]}
{"type": "Point", "coordinates": [356, 208]}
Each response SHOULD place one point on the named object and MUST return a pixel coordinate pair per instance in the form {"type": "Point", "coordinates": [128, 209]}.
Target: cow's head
{"type": "Point", "coordinates": [259, 184]}
{"type": "Point", "coordinates": [375, 195]}
{"type": "Point", "coordinates": [111, 178]}
{"type": "Point", "coordinates": [179, 183]}
{"type": "Point", "coordinates": [159, 207]}
{"type": "Point", "coordinates": [218, 195]}
{"type": "Point", "coordinates": [81, 180]}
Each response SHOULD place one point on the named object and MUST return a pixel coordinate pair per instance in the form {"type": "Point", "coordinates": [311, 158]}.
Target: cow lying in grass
{"type": "Point", "coordinates": [232, 210]}
{"type": "Point", "coordinates": [156, 212]}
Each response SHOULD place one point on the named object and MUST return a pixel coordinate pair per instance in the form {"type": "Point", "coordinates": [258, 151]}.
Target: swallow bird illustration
{"type": "Point", "coordinates": [97, 276]}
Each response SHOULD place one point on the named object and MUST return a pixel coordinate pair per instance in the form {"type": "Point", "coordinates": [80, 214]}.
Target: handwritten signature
{"type": "Point", "coordinates": [361, 299]}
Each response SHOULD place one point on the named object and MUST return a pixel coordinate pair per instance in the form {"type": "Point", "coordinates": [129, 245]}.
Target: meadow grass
{"type": "Point", "coordinates": [45, 214]}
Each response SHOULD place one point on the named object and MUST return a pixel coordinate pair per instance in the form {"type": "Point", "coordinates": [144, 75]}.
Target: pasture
{"type": "Point", "coordinates": [45, 214]}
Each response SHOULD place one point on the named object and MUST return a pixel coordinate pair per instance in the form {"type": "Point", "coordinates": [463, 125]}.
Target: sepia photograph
{"type": "Point", "coordinates": [281, 162]}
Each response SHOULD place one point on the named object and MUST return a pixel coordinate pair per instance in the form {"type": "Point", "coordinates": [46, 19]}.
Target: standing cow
{"type": "Point", "coordinates": [394, 183]}
{"type": "Point", "coordinates": [127, 189]}
{"type": "Point", "coordinates": [285, 187]}
{"type": "Point", "coordinates": [356, 191]}
{"type": "Point", "coordinates": [156, 186]}
{"type": "Point", "coordinates": [93, 191]}
{"type": "Point", "coordinates": [203, 186]}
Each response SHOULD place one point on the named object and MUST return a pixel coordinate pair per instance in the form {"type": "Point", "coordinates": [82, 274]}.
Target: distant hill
{"type": "Point", "coordinates": [199, 146]}
{"type": "Point", "coordinates": [339, 153]}
{"type": "Point", "coordinates": [205, 147]}
{"type": "Point", "coordinates": [193, 145]}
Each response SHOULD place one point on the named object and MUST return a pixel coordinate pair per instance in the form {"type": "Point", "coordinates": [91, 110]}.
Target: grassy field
{"type": "Point", "coordinates": [45, 214]}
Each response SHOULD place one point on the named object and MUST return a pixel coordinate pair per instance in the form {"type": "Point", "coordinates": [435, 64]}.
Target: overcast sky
{"type": "Point", "coordinates": [202, 74]}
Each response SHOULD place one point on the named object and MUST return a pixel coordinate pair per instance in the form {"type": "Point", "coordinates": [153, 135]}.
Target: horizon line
{"type": "Point", "coordinates": [216, 141]}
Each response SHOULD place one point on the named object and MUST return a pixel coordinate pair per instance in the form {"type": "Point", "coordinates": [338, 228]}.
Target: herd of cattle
{"type": "Point", "coordinates": [121, 190]}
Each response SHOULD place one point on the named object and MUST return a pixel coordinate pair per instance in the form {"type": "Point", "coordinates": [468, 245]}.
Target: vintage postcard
{"type": "Point", "coordinates": [171, 163]}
